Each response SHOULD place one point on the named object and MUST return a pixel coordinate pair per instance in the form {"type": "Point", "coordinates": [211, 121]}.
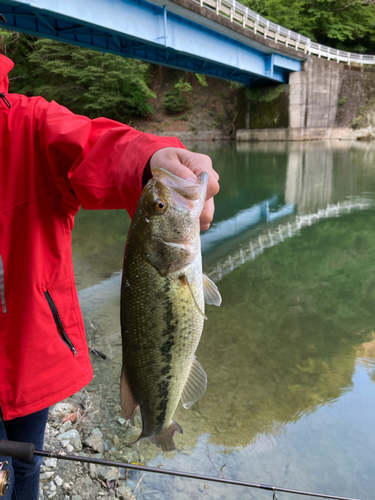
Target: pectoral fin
{"type": "Point", "coordinates": [211, 293]}
{"type": "Point", "coordinates": [128, 403]}
{"type": "Point", "coordinates": [195, 386]}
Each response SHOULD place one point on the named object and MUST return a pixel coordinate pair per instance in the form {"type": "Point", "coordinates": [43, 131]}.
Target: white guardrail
{"type": "Point", "coordinates": [247, 18]}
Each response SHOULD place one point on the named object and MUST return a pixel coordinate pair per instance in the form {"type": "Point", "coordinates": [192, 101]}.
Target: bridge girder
{"type": "Point", "coordinates": [141, 30]}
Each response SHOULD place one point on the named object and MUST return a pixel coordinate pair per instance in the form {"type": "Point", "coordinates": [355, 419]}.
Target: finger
{"type": "Point", "coordinates": [207, 214]}
{"type": "Point", "coordinates": [170, 161]}
{"type": "Point", "coordinates": [197, 163]}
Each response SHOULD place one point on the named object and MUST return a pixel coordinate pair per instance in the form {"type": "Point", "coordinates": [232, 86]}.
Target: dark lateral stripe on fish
{"type": "Point", "coordinates": [165, 349]}
{"type": "Point", "coordinates": [163, 391]}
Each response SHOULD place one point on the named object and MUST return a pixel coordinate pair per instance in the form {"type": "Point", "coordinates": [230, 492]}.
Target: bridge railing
{"type": "Point", "coordinates": [247, 18]}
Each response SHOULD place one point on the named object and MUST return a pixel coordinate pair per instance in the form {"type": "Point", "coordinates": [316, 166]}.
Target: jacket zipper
{"type": "Point", "coordinates": [6, 102]}
{"type": "Point", "coordinates": [60, 327]}
{"type": "Point", "coordinates": [2, 287]}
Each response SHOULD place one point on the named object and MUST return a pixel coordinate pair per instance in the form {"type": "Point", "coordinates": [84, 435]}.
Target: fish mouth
{"type": "Point", "coordinates": [194, 191]}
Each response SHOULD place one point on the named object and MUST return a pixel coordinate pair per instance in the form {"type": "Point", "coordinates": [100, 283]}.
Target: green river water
{"type": "Point", "coordinates": [290, 354]}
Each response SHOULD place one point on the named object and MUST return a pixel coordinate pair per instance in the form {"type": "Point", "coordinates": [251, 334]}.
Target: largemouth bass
{"type": "Point", "coordinates": [162, 305]}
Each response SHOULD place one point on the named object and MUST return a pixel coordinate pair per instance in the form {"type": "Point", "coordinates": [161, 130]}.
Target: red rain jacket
{"type": "Point", "coordinates": [53, 162]}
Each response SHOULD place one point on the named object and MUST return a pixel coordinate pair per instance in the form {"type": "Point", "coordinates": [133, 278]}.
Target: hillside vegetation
{"type": "Point", "coordinates": [341, 24]}
{"type": "Point", "coordinates": [149, 97]}
{"type": "Point", "coordinates": [161, 100]}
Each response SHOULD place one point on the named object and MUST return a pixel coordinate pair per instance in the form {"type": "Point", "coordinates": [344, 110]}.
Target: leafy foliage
{"type": "Point", "coordinates": [344, 24]}
{"type": "Point", "coordinates": [201, 79]}
{"type": "Point", "coordinates": [175, 101]}
{"type": "Point", "coordinates": [86, 81]}
{"type": "Point", "coordinates": [183, 85]}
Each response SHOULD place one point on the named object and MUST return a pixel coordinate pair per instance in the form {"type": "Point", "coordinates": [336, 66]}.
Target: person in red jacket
{"type": "Point", "coordinates": [52, 163]}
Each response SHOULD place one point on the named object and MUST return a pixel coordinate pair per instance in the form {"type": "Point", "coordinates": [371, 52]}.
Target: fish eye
{"type": "Point", "coordinates": [160, 205]}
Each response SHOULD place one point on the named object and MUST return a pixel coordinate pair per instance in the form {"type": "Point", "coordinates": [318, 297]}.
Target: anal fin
{"type": "Point", "coordinates": [195, 386]}
{"type": "Point", "coordinates": [128, 403]}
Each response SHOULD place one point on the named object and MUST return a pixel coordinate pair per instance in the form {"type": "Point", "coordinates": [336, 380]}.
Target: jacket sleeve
{"type": "Point", "coordinates": [97, 163]}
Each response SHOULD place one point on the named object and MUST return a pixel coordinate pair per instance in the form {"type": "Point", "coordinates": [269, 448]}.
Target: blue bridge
{"type": "Point", "coordinates": [179, 34]}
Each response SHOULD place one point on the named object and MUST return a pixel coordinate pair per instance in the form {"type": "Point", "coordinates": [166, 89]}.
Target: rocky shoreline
{"type": "Point", "coordinates": [72, 429]}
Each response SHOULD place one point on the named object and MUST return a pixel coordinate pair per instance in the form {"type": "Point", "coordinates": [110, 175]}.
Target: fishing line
{"type": "Point", "coordinates": [25, 451]}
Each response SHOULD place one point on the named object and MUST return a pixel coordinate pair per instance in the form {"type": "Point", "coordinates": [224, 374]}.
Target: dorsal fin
{"type": "Point", "coordinates": [195, 385]}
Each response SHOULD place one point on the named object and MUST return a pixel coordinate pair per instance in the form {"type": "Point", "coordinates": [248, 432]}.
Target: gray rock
{"type": "Point", "coordinates": [93, 471]}
{"type": "Point", "coordinates": [46, 475]}
{"type": "Point", "coordinates": [64, 443]}
{"type": "Point", "coordinates": [96, 432]}
{"type": "Point", "coordinates": [51, 462]}
{"type": "Point", "coordinates": [74, 438]}
{"type": "Point", "coordinates": [67, 487]}
{"type": "Point", "coordinates": [58, 481]}
{"type": "Point", "coordinates": [52, 486]}
{"type": "Point", "coordinates": [76, 497]}
{"type": "Point", "coordinates": [51, 495]}
{"type": "Point", "coordinates": [86, 488]}
{"type": "Point", "coordinates": [67, 425]}
{"type": "Point", "coordinates": [121, 420]}
{"type": "Point", "coordinates": [108, 473]}
{"type": "Point", "coordinates": [123, 491]}
{"type": "Point", "coordinates": [95, 442]}
{"type": "Point", "coordinates": [69, 448]}
{"type": "Point", "coordinates": [61, 409]}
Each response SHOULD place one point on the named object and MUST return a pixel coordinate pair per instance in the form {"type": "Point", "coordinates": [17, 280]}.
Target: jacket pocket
{"type": "Point", "coordinates": [2, 287]}
{"type": "Point", "coordinates": [60, 327]}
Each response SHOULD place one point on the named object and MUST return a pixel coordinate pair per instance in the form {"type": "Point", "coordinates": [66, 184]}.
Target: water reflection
{"type": "Point", "coordinates": [290, 354]}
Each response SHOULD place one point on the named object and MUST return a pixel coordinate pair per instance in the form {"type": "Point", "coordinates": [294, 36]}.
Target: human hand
{"type": "Point", "coordinates": [184, 163]}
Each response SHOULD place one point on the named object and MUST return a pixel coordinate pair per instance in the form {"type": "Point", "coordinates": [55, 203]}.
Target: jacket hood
{"type": "Point", "coordinates": [5, 66]}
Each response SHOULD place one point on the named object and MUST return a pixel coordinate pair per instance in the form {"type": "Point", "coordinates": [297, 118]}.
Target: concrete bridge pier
{"type": "Point", "coordinates": [313, 96]}
{"type": "Point", "coordinates": [312, 99]}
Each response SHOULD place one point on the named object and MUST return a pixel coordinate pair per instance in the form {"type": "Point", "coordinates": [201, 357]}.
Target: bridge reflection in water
{"type": "Point", "coordinates": [311, 194]}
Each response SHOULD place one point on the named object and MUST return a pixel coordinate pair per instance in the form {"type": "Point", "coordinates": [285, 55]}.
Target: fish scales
{"type": "Point", "coordinates": [168, 312]}
{"type": "Point", "coordinates": [162, 306]}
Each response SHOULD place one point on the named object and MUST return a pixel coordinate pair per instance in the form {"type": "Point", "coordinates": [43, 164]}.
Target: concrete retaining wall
{"type": "Point", "coordinates": [313, 104]}
{"type": "Point", "coordinates": [289, 134]}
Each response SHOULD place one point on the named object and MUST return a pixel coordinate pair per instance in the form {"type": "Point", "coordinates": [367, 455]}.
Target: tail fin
{"type": "Point", "coordinates": [165, 437]}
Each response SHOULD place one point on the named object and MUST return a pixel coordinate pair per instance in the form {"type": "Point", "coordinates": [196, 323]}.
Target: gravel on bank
{"type": "Point", "coordinates": [71, 429]}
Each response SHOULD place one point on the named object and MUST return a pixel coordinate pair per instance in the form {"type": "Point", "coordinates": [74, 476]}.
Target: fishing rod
{"type": "Point", "coordinates": [26, 451]}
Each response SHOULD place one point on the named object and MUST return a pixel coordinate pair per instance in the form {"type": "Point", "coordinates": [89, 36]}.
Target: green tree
{"type": "Point", "coordinates": [86, 81]}
{"type": "Point", "coordinates": [344, 24]}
